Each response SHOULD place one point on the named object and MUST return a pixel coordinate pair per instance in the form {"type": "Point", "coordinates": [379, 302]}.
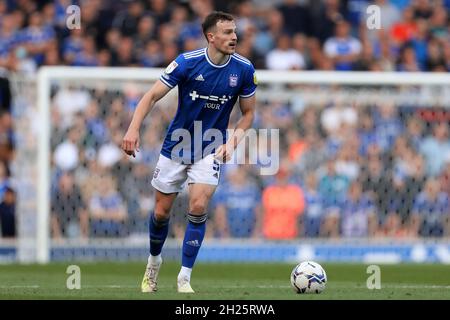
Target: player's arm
{"type": "Point", "coordinates": [248, 107]}
{"type": "Point", "coordinates": [130, 142]}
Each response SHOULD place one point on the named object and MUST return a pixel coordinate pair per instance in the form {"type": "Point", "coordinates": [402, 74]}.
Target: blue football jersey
{"type": "Point", "coordinates": [206, 95]}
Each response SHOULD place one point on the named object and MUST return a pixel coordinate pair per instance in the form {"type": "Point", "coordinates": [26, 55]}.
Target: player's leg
{"type": "Point", "coordinates": [168, 179]}
{"type": "Point", "coordinates": [199, 196]}
{"type": "Point", "coordinates": [158, 230]}
{"type": "Point", "coordinates": [203, 180]}
{"type": "Point", "coordinates": [159, 222]}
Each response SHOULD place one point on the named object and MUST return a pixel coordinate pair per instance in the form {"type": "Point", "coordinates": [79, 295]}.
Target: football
{"type": "Point", "coordinates": [308, 277]}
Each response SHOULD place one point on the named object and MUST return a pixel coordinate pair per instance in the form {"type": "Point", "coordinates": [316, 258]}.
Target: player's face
{"type": "Point", "coordinates": [224, 38]}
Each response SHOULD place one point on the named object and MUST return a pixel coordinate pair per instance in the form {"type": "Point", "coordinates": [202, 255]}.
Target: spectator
{"type": "Point", "coordinates": [338, 117]}
{"type": "Point", "coordinates": [4, 181]}
{"type": "Point", "coordinates": [387, 125]}
{"type": "Point", "coordinates": [414, 131]}
{"type": "Point", "coordinates": [366, 132]}
{"type": "Point", "coordinates": [51, 57]}
{"type": "Point", "coordinates": [266, 37]}
{"type": "Point", "coordinates": [150, 148]}
{"type": "Point", "coordinates": [333, 186]}
{"type": "Point", "coordinates": [8, 213]}
{"type": "Point", "coordinates": [67, 154]}
{"type": "Point", "coordinates": [445, 178]}
{"type": "Point", "coordinates": [332, 189]}
{"type": "Point", "coordinates": [435, 148]}
{"type": "Point", "coordinates": [107, 210]}
{"type": "Point", "coordinates": [284, 57]}
{"type": "Point", "coordinates": [325, 18]}
{"type": "Point", "coordinates": [408, 175]}
{"type": "Point", "coordinates": [365, 61]}
{"type": "Point", "coordinates": [37, 38]}
{"type": "Point", "coordinates": [357, 211]}
{"type": "Point", "coordinates": [404, 30]}
{"type": "Point", "coordinates": [283, 203]}
{"type": "Point", "coordinates": [160, 10]}
{"type": "Point", "coordinates": [422, 9]}
{"type": "Point", "coordinates": [296, 146]}
{"type": "Point", "coordinates": [109, 153]}
{"type": "Point", "coordinates": [295, 16]}
{"type": "Point", "coordinates": [430, 217]}
{"type": "Point", "coordinates": [7, 137]}
{"type": "Point", "coordinates": [87, 57]}
{"type": "Point", "coordinates": [72, 45]}
{"type": "Point", "coordinates": [151, 56]}
{"type": "Point", "coordinates": [127, 21]}
{"type": "Point", "coordinates": [145, 33]}
{"type": "Point", "coordinates": [312, 218]}
{"type": "Point", "coordinates": [408, 61]}
{"type": "Point", "coordinates": [439, 24]}
{"type": "Point", "coordinates": [69, 217]}
{"type": "Point", "coordinates": [136, 193]}
{"type": "Point", "coordinates": [9, 38]}
{"type": "Point", "coordinates": [386, 52]}
{"type": "Point", "coordinates": [237, 206]}
{"type": "Point", "coordinates": [68, 102]}
{"type": "Point", "coordinates": [377, 182]}
{"type": "Point", "coordinates": [96, 131]}
{"type": "Point", "coordinates": [124, 55]}
{"type": "Point", "coordinates": [314, 156]}
{"type": "Point", "coordinates": [420, 41]}
{"type": "Point", "coordinates": [343, 48]}
{"type": "Point", "coordinates": [435, 58]}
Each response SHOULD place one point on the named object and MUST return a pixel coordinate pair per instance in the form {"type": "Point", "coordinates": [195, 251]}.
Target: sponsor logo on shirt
{"type": "Point", "coordinates": [233, 80]}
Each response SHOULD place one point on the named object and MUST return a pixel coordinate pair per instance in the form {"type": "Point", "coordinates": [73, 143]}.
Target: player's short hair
{"type": "Point", "coordinates": [212, 19]}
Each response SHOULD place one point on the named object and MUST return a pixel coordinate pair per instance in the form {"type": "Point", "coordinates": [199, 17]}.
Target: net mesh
{"type": "Point", "coordinates": [355, 161]}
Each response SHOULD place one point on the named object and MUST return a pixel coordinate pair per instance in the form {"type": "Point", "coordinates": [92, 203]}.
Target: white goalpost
{"type": "Point", "coordinates": [302, 89]}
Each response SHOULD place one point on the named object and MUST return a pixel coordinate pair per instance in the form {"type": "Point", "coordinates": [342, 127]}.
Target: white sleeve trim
{"type": "Point", "coordinates": [165, 82]}
{"type": "Point", "coordinates": [247, 95]}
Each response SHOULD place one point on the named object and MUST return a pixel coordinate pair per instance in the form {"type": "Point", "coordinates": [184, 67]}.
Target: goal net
{"type": "Point", "coordinates": [363, 158]}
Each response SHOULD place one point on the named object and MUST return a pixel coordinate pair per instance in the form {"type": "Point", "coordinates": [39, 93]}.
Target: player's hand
{"type": "Point", "coordinates": [130, 143]}
{"type": "Point", "coordinates": [224, 153]}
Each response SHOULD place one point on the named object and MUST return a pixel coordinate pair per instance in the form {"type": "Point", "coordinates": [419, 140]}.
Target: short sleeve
{"type": "Point", "coordinates": [174, 73]}
{"type": "Point", "coordinates": [250, 83]}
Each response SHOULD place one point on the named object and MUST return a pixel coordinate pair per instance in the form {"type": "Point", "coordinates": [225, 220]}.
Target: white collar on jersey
{"type": "Point", "coordinates": [213, 64]}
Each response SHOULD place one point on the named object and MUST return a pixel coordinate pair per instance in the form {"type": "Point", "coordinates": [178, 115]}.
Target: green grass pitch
{"type": "Point", "coordinates": [221, 281]}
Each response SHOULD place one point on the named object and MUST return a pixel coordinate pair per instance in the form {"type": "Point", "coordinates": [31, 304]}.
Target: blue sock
{"type": "Point", "coordinates": [158, 233]}
{"type": "Point", "coordinates": [193, 238]}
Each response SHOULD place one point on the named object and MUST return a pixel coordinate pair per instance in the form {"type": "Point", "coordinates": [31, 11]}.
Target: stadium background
{"type": "Point", "coordinates": [377, 172]}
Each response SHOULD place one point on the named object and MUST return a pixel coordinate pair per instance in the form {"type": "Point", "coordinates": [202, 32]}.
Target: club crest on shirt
{"type": "Point", "coordinates": [233, 80]}
{"type": "Point", "coordinates": [171, 67]}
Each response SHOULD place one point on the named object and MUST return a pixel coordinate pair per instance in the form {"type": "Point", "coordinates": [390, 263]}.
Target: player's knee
{"type": "Point", "coordinates": [162, 209]}
{"type": "Point", "coordinates": [197, 206]}
{"type": "Point", "coordinates": [161, 215]}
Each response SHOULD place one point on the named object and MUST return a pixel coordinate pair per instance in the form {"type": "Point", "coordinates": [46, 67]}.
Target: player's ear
{"type": "Point", "coordinates": [210, 36]}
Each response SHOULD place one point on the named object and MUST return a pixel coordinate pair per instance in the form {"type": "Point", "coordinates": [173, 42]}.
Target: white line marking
{"type": "Point", "coordinates": [20, 287]}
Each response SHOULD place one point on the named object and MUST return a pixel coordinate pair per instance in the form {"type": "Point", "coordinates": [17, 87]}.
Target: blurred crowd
{"type": "Point", "coordinates": [367, 170]}
{"type": "Point", "coordinates": [346, 171]}
{"type": "Point", "coordinates": [413, 35]}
